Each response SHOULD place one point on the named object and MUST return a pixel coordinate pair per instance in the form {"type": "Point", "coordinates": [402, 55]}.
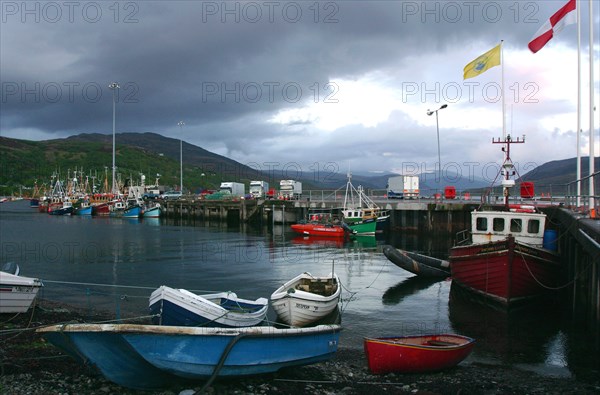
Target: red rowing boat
{"type": "Point", "coordinates": [416, 354]}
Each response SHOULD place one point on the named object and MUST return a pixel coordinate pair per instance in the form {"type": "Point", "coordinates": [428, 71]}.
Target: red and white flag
{"type": "Point", "coordinates": [561, 18]}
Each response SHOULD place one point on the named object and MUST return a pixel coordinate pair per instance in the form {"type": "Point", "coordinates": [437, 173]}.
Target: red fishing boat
{"type": "Point", "coordinates": [510, 257]}
{"type": "Point", "coordinates": [317, 229]}
{"type": "Point", "coordinates": [416, 354]}
{"type": "Point", "coordinates": [321, 223]}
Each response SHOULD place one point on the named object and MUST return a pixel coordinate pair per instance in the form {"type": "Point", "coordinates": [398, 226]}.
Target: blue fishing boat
{"type": "Point", "coordinates": [82, 207]}
{"type": "Point", "coordinates": [152, 211]}
{"type": "Point", "coordinates": [139, 356]}
{"type": "Point", "coordinates": [133, 212]}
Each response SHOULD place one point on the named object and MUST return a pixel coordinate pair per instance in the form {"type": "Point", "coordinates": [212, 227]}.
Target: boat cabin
{"type": "Point", "coordinates": [525, 227]}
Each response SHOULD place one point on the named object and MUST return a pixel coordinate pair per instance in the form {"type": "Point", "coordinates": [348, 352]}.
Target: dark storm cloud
{"type": "Point", "coordinates": [223, 67]}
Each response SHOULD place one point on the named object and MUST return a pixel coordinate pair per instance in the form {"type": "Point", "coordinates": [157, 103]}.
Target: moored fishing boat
{"type": "Point", "coordinates": [170, 306]}
{"type": "Point", "coordinates": [65, 208]}
{"type": "Point", "coordinates": [153, 211]}
{"type": "Point", "coordinates": [306, 298]}
{"type": "Point", "coordinates": [360, 213]}
{"type": "Point", "coordinates": [83, 207]}
{"type": "Point", "coordinates": [416, 354]}
{"type": "Point", "coordinates": [507, 260]}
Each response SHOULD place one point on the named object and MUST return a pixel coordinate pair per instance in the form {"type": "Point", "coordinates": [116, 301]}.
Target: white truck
{"type": "Point", "coordinates": [233, 188]}
{"type": "Point", "coordinates": [403, 187]}
{"type": "Point", "coordinates": [290, 189]}
{"type": "Point", "coordinates": [259, 189]}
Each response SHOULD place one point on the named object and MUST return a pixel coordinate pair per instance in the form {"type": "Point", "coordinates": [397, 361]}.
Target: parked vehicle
{"type": "Point", "coordinates": [171, 195]}
{"type": "Point", "coordinates": [233, 188]}
{"type": "Point", "coordinates": [403, 187]}
{"type": "Point", "coordinates": [290, 189]}
{"type": "Point", "coordinates": [259, 189]}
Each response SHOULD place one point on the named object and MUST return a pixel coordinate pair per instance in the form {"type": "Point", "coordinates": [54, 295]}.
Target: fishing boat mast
{"type": "Point", "coordinates": [508, 168]}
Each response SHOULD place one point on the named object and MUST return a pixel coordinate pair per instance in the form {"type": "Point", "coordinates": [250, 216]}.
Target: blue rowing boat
{"type": "Point", "coordinates": [148, 356]}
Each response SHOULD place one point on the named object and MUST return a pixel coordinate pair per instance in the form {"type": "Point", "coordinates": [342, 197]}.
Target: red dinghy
{"type": "Point", "coordinates": [416, 354]}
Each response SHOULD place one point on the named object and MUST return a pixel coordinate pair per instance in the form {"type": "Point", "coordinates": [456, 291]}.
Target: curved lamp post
{"type": "Point", "coordinates": [430, 112]}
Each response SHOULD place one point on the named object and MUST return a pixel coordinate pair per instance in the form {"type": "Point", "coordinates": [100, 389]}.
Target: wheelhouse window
{"type": "Point", "coordinates": [516, 225]}
{"type": "Point", "coordinates": [533, 226]}
{"type": "Point", "coordinates": [481, 224]}
{"type": "Point", "coordinates": [498, 224]}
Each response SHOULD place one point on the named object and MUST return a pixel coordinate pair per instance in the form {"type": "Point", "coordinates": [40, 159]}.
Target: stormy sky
{"type": "Point", "coordinates": [326, 86]}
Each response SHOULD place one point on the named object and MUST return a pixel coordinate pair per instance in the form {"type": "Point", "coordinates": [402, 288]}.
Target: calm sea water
{"type": "Point", "coordinates": [113, 265]}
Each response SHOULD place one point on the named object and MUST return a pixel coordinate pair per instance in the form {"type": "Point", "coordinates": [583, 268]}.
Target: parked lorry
{"type": "Point", "coordinates": [290, 189]}
{"type": "Point", "coordinates": [259, 189]}
{"type": "Point", "coordinates": [403, 187]}
{"type": "Point", "coordinates": [233, 189]}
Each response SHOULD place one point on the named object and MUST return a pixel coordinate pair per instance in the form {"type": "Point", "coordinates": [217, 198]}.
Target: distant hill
{"type": "Point", "coordinates": [23, 162]}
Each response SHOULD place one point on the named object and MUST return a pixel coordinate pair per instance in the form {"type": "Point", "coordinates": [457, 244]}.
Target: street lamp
{"type": "Point", "coordinates": [430, 112]}
{"type": "Point", "coordinates": [114, 86]}
{"type": "Point", "coordinates": [180, 124]}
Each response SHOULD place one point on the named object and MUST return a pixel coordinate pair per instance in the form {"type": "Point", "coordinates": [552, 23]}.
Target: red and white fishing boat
{"type": "Point", "coordinates": [511, 256]}
{"type": "Point", "coordinates": [416, 354]}
{"type": "Point", "coordinates": [316, 229]}
{"type": "Point", "coordinates": [321, 224]}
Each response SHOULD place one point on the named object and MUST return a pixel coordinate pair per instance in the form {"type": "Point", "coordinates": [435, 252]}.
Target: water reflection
{"type": "Point", "coordinates": [407, 287]}
{"type": "Point", "coordinates": [521, 336]}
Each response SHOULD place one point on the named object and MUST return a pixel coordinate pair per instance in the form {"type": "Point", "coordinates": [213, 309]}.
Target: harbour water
{"type": "Point", "coordinates": [113, 265]}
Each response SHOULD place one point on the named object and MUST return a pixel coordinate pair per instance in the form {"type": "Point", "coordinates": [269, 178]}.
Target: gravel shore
{"type": "Point", "coordinates": [29, 365]}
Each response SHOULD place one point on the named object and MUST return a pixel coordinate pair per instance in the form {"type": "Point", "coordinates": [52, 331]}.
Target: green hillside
{"type": "Point", "coordinates": [24, 162]}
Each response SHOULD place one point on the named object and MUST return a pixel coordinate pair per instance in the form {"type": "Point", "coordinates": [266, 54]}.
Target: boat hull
{"type": "Point", "coordinates": [101, 209]}
{"type": "Point", "coordinates": [150, 355]}
{"type": "Point", "coordinates": [365, 227]}
{"type": "Point", "coordinates": [177, 307]}
{"type": "Point", "coordinates": [297, 306]}
{"type": "Point", "coordinates": [421, 265]}
{"type": "Point", "coordinates": [61, 211]}
{"type": "Point", "coordinates": [132, 212]}
{"type": "Point", "coordinates": [84, 210]}
{"type": "Point", "coordinates": [319, 230]}
{"type": "Point", "coordinates": [112, 355]}
{"type": "Point", "coordinates": [505, 272]}
{"type": "Point", "coordinates": [153, 212]}
{"type": "Point", "coordinates": [17, 293]}
{"type": "Point", "coordinates": [416, 354]}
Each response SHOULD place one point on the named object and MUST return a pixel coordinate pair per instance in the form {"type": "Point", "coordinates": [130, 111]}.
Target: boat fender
{"type": "Point", "coordinates": [291, 291]}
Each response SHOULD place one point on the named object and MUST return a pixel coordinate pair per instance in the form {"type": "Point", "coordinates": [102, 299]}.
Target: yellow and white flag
{"type": "Point", "coordinates": [486, 61]}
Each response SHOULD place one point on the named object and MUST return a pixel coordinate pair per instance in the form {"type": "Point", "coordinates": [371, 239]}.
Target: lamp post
{"type": "Point", "coordinates": [114, 86]}
{"type": "Point", "coordinates": [437, 123]}
{"type": "Point", "coordinates": [180, 124]}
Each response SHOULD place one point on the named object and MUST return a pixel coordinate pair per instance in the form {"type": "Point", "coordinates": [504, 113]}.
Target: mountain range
{"type": "Point", "coordinates": [23, 162]}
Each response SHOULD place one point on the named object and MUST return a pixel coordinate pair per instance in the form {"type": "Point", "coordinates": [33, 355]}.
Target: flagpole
{"type": "Point", "coordinates": [578, 132]}
{"type": "Point", "coordinates": [502, 92]}
{"type": "Point", "coordinates": [592, 157]}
